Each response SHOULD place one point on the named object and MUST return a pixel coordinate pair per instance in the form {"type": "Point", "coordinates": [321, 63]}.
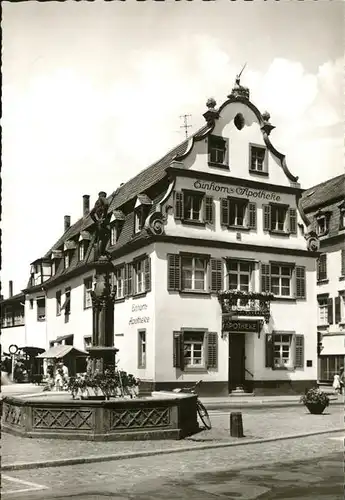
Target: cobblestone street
{"type": "Point", "coordinates": [295, 469]}
{"type": "Point", "coordinates": [257, 424]}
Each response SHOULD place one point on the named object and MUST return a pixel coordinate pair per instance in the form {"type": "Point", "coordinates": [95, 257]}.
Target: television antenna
{"type": "Point", "coordinates": [185, 123]}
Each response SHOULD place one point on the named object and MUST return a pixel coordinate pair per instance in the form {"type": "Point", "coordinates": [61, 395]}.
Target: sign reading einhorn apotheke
{"type": "Point", "coordinates": [237, 190]}
{"type": "Point", "coordinates": [138, 320]}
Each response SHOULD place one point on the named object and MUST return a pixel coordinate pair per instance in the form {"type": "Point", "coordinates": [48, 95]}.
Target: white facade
{"type": "Point", "coordinates": [235, 220]}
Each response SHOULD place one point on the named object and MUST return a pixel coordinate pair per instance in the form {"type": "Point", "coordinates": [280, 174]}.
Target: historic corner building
{"type": "Point", "coordinates": [324, 205]}
{"type": "Point", "coordinates": [214, 265]}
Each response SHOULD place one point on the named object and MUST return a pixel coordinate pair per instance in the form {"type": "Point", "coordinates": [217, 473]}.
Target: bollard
{"type": "Point", "coordinates": [236, 426]}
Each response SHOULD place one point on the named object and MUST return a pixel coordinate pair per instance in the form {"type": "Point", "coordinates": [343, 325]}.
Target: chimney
{"type": "Point", "coordinates": [10, 288]}
{"type": "Point", "coordinates": [67, 222]}
{"type": "Point", "coordinates": [86, 204]}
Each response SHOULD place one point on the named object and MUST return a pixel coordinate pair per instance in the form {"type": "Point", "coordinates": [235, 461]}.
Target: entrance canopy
{"type": "Point", "coordinates": [60, 351]}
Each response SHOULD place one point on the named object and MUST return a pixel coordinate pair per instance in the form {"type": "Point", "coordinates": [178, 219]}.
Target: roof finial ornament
{"type": "Point", "coordinates": [212, 113]}
{"type": "Point", "coordinates": [239, 91]}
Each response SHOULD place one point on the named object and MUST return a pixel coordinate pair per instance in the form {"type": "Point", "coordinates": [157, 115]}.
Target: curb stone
{"type": "Point", "coordinates": [162, 451]}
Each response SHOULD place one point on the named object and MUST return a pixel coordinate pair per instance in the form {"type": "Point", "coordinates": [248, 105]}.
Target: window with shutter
{"type": "Point", "coordinates": [266, 217]}
{"type": "Point", "coordinates": [174, 272]}
{"type": "Point", "coordinates": [147, 267]}
{"type": "Point", "coordinates": [322, 267]}
{"type": "Point", "coordinates": [224, 211]}
{"type": "Point", "coordinates": [337, 310]}
{"type": "Point", "coordinates": [208, 207]}
{"type": "Point", "coordinates": [330, 311]}
{"type": "Point", "coordinates": [216, 267]}
{"type": "Point", "coordinates": [212, 350]}
{"type": "Point", "coordinates": [299, 351]}
{"type": "Point", "coordinates": [292, 220]}
{"type": "Point", "coordinates": [178, 360]}
{"type": "Point", "coordinates": [179, 205]}
{"type": "Point", "coordinates": [342, 262]}
{"type": "Point", "coordinates": [269, 352]}
{"type": "Point", "coordinates": [265, 278]}
{"type": "Point", "coordinates": [251, 215]}
{"type": "Point", "coordinates": [128, 279]}
{"type": "Point", "coordinates": [300, 282]}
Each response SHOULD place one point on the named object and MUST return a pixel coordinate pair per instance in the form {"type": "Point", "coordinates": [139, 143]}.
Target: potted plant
{"type": "Point", "coordinates": [315, 400]}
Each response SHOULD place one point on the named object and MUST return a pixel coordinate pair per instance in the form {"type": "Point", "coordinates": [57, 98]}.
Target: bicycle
{"type": "Point", "coordinates": [200, 408]}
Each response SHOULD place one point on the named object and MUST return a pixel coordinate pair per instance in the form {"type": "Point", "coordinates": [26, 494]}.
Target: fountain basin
{"type": "Point", "coordinates": [57, 415]}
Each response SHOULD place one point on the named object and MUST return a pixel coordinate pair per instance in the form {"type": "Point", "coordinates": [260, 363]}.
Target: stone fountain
{"type": "Point", "coordinates": [58, 415]}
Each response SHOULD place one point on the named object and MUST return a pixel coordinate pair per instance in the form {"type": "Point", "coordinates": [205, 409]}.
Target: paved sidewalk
{"type": "Point", "coordinates": [259, 425]}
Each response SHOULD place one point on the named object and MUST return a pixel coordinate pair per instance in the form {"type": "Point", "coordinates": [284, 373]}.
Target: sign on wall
{"type": "Point", "coordinates": [141, 318]}
{"type": "Point", "coordinates": [260, 194]}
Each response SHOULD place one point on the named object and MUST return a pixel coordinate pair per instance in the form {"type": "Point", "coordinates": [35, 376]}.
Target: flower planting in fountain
{"type": "Point", "coordinates": [110, 383]}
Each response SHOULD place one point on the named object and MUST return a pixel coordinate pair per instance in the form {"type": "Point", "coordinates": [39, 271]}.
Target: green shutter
{"type": "Point", "coordinates": [266, 217]}
{"type": "Point", "coordinates": [174, 272]}
{"type": "Point", "coordinates": [251, 215]}
{"type": "Point", "coordinates": [208, 210]}
{"type": "Point", "coordinates": [147, 269]}
{"type": "Point", "coordinates": [342, 262]}
{"type": "Point", "coordinates": [269, 350]}
{"type": "Point", "coordinates": [224, 211]}
{"type": "Point", "coordinates": [265, 278]}
{"type": "Point", "coordinates": [179, 209]}
{"type": "Point", "coordinates": [212, 350]}
{"type": "Point", "coordinates": [337, 310]}
{"type": "Point", "coordinates": [300, 282]}
{"type": "Point", "coordinates": [128, 279]}
{"type": "Point", "coordinates": [292, 220]}
{"type": "Point", "coordinates": [299, 351]}
{"type": "Point", "coordinates": [216, 268]}
{"type": "Point", "coordinates": [178, 358]}
{"type": "Point", "coordinates": [330, 311]}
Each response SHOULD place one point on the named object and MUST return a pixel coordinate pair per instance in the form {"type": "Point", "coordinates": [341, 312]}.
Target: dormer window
{"type": "Point", "coordinates": [116, 221]}
{"type": "Point", "coordinates": [68, 249]}
{"type": "Point", "coordinates": [322, 222]}
{"type": "Point", "coordinates": [55, 257]}
{"type": "Point", "coordinates": [83, 245]}
{"type": "Point", "coordinates": [218, 151]}
{"type": "Point", "coordinates": [141, 211]}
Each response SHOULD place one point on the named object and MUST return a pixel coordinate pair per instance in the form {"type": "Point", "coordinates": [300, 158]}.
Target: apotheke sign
{"type": "Point", "coordinates": [242, 326]}
{"type": "Point", "coordinates": [237, 190]}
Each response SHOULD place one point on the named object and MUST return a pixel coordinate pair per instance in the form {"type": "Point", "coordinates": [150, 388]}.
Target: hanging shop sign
{"type": "Point", "coordinates": [237, 326]}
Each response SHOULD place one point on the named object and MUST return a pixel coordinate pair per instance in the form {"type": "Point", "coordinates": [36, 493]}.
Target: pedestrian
{"type": "Point", "coordinates": [342, 379]}
{"type": "Point", "coordinates": [337, 384]}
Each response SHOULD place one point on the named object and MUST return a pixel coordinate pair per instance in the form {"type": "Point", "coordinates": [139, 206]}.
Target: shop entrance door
{"type": "Point", "coordinates": [236, 360]}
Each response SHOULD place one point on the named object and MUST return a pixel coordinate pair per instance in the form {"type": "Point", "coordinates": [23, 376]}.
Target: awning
{"type": "Point", "coordinates": [59, 351]}
{"type": "Point", "coordinates": [31, 350]}
{"type": "Point", "coordinates": [63, 337]}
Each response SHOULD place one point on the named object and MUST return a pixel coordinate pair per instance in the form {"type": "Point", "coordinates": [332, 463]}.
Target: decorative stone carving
{"type": "Point", "coordinates": [155, 223]}
{"type": "Point", "coordinates": [239, 91]}
{"type": "Point", "coordinates": [61, 419]}
{"type": "Point", "coordinates": [313, 242]}
{"type": "Point", "coordinates": [212, 113]}
{"type": "Point", "coordinates": [140, 417]}
{"type": "Point", "coordinates": [99, 214]}
{"type": "Point", "coordinates": [267, 127]}
{"type": "Point", "coordinates": [12, 414]}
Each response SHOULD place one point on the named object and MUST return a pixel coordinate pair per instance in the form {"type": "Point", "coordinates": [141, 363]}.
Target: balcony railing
{"type": "Point", "coordinates": [238, 303]}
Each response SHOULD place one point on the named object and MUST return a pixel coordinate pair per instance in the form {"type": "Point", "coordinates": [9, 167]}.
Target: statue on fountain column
{"type": "Point", "coordinates": [99, 214]}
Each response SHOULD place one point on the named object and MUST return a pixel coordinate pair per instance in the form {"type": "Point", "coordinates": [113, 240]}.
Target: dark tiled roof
{"type": "Point", "coordinates": [321, 193]}
{"type": "Point", "coordinates": [15, 298]}
{"type": "Point", "coordinates": [142, 182]}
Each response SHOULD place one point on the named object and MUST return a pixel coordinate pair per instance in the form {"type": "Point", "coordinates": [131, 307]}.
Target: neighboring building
{"type": "Point", "coordinates": [12, 320]}
{"type": "Point", "coordinates": [214, 267]}
{"type": "Point", "coordinates": [324, 205]}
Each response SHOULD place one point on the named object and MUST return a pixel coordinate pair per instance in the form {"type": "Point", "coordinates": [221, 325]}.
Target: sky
{"type": "Point", "coordinates": [93, 92]}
